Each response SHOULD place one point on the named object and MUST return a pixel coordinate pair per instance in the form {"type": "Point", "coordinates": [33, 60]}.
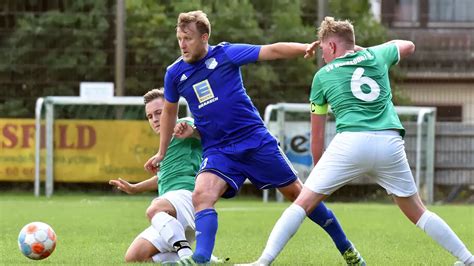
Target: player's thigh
{"type": "Point", "coordinates": [183, 204]}
{"type": "Point", "coordinates": [208, 189]}
{"type": "Point", "coordinates": [392, 169]}
{"type": "Point", "coordinates": [348, 156]}
{"type": "Point", "coordinates": [220, 175]}
{"type": "Point", "coordinates": [141, 250]}
{"type": "Point", "coordinates": [161, 204]}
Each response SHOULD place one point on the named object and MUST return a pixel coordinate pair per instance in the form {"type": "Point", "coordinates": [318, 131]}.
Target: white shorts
{"type": "Point", "coordinates": [182, 202]}
{"type": "Point", "coordinates": [380, 154]}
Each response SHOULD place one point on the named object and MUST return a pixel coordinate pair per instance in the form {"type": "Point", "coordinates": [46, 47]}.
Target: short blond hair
{"type": "Point", "coordinates": [342, 29]}
{"type": "Point", "coordinates": [200, 18]}
{"type": "Point", "coordinates": [153, 94]}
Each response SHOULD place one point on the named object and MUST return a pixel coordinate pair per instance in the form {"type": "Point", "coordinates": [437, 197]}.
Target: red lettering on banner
{"type": "Point", "coordinates": [63, 138]}
{"type": "Point", "coordinates": [10, 135]}
{"type": "Point", "coordinates": [28, 134]}
{"type": "Point", "coordinates": [22, 136]}
{"type": "Point", "coordinates": [81, 136]}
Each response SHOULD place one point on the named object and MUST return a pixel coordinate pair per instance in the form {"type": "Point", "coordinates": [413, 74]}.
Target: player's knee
{"type": "Point", "coordinates": [203, 199]}
{"type": "Point", "coordinates": [291, 195]}
{"type": "Point", "coordinates": [291, 191]}
{"type": "Point", "coordinates": [150, 212]}
{"type": "Point", "coordinates": [153, 209]}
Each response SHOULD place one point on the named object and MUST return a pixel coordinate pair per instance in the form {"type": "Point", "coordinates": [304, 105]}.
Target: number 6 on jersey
{"type": "Point", "coordinates": [356, 83]}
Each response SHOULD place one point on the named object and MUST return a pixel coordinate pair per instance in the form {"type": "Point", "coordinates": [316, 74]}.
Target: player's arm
{"type": "Point", "coordinates": [151, 184]}
{"type": "Point", "coordinates": [167, 123]}
{"type": "Point", "coordinates": [184, 130]}
{"type": "Point", "coordinates": [318, 128]}
{"type": "Point", "coordinates": [286, 50]}
{"type": "Point", "coordinates": [405, 48]}
{"type": "Point", "coordinates": [358, 48]}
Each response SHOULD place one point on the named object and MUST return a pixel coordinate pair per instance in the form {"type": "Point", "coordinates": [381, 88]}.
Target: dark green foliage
{"type": "Point", "coordinates": [50, 52]}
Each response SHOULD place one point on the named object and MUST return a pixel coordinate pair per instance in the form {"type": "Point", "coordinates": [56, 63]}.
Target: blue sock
{"type": "Point", "coordinates": [327, 220]}
{"type": "Point", "coordinates": [206, 230]}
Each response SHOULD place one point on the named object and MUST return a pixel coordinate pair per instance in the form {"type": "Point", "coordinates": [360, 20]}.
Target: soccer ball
{"type": "Point", "coordinates": [37, 240]}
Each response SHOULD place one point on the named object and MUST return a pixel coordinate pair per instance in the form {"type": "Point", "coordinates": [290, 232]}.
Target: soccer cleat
{"type": "Point", "coordinates": [190, 261]}
{"type": "Point", "coordinates": [353, 257]}
{"type": "Point", "coordinates": [187, 261]}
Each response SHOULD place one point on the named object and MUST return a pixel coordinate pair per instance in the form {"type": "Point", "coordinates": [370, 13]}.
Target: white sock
{"type": "Point", "coordinates": [437, 229]}
{"type": "Point", "coordinates": [283, 230]}
{"type": "Point", "coordinates": [165, 257]}
{"type": "Point", "coordinates": [172, 232]}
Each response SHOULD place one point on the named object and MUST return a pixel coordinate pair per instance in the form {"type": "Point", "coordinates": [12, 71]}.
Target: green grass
{"type": "Point", "coordinates": [96, 230]}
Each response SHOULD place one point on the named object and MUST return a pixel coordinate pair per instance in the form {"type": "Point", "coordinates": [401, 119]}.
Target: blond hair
{"type": "Point", "coordinates": [200, 18]}
{"type": "Point", "coordinates": [153, 94]}
{"type": "Point", "coordinates": [341, 29]}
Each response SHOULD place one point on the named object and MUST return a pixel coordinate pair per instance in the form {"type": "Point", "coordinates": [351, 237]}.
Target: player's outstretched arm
{"type": "Point", "coordinates": [123, 185]}
{"type": "Point", "coordinates": [406, 48]}
{"type": "Point", "coordinates": [167, 123]}
{"type": "Point", "coordinates": [286, 50]}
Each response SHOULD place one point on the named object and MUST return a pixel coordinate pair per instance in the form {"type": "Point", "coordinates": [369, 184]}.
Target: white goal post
{"type": "Point", "coordinates": [49, 103]}
{"type": "Point", "coordinates": [425, 139]}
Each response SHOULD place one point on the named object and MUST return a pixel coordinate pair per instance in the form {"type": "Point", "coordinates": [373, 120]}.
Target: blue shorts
{"type": "Point", "coordinates": [258, 158]}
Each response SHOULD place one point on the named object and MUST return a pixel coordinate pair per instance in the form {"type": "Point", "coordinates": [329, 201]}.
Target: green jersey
{"type": "Point", "coordinates": [357, 87]}
{"type": "Point", "coordinates": [181, 163]}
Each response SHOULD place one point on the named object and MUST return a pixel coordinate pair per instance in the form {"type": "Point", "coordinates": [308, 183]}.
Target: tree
{"type": "Point", "coordinates": [49, 53]}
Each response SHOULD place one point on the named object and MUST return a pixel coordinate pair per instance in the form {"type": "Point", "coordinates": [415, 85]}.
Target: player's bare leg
{"type": "Point", "coordinates": [434, 226]}
{"type": "Point", "coordinates": [140, 250]}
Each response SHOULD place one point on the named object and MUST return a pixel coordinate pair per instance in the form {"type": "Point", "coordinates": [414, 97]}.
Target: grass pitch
{"type": "Point", "coordinates": [97, 230]}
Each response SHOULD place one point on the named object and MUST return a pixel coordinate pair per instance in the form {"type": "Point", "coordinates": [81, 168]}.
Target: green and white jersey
{"type": "Point", "coordinates": [357, 87]}
{"type": "Point", "coordinates": [181, 163]}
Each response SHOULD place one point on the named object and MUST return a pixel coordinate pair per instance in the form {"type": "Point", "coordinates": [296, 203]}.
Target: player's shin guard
{"type": "Point", "coordinates": [206, 230]}
{"type": "Point", "coordinates": [325, 218]}
{"type": "Point", "coordinates": [172, 232]}
{"type": "Point", "coordinates": [437, 229]}
{"type": "Point", "coordinates": [283, 230]}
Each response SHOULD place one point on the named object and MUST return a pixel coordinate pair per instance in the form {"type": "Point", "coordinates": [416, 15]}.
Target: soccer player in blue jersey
{"type": "Point", "coordinates": [236, 143]}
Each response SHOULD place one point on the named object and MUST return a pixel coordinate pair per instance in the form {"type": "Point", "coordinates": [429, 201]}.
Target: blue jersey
{"type": "Point", "coordinates": [213, 87]}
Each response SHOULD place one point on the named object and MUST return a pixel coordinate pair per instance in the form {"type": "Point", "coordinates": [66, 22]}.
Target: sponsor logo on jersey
{"type": "Point", "coordinates": [211, 63]}
{"type": "Point", "coordinates": [204, 93]}
{"type": "Point", "coordinates": [183, 77]}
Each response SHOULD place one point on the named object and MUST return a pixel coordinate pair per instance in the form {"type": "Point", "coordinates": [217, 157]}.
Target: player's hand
{"type": "Point", "coordinates": [123, 185]}
{"type": "Point", "coordinates": [153, 164]}
{"type": "Point", "coordinates": [311, 49]}
{"type": "Point", "coordinates": [183, 130]}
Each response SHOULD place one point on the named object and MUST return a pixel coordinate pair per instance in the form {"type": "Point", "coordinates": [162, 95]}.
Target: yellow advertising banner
{"type": "Point", "coordinates": [84, 150]}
